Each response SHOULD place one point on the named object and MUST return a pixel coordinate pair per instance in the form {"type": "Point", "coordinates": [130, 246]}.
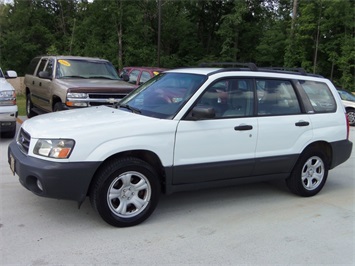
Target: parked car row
{"type": "Point", "coordinates": [8, 107]}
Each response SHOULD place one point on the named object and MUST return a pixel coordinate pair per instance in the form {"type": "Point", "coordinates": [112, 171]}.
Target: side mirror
{"type": "Point", "coordinates": [202, 112]}
{"type": "Point", "coordinates": [125, 77]}
{"type": "Point", "coordinates": [44, 75]}
{"type": "Point", "coordinates": [10, 74]}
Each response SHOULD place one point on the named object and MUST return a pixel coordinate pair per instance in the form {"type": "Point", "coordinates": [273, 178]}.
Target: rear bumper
{"type": "Point", "coordinates": [57, 180]}
{"type": "Point", "coordinates": [341, 152]}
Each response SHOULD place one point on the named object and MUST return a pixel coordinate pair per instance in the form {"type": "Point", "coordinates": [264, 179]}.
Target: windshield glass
{"type": "Point", "coordinates": [164, 95]}
{"type": "Point", "coordinates": [344, 95]}
{"type": "Point", "coordinates": [70, 68]}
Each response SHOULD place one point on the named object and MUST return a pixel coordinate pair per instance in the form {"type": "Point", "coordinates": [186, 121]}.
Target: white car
{"type": "Point", "coordinates": [8, 107]}
{"type": "Point", "coordinates": [186, 129]}
{"type": "Point", "coordinates": [348, 100]}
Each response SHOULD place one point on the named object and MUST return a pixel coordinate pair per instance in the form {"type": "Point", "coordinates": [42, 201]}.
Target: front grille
{"type": "Point", "coordinates": [23, 140]}
{"type": "Point", "coordinates": [105, 98]}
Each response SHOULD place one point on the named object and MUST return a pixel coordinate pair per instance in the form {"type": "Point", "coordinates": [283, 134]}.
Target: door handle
{"type": "Point", "coordinates": [302, 124]}
{"type": "Point", "coordinates": [40, 84]}
{"type": "Point", "coordinates": [243, 127]}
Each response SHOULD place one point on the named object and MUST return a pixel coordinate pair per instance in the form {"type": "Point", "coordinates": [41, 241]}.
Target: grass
{"type": "Point", "coordinates": [21, 104]}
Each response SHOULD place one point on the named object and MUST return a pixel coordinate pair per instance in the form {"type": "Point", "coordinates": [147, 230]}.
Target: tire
{"type": "Point", "coordinates": [309, 174]}
{"type": "Point", "coordinates": [118, 198]}
{"type": "Point", "coordinates": [351, 116]}
{"type": "Point", "coordinates": [29, 106]}
{"type": "Point", "coordinates": [58, 106]}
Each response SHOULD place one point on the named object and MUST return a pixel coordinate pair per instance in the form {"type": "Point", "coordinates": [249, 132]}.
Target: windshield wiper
{"type": "Point", "coordinates": [132, 109]}
{"type": "Point", "coordinates": [74, 76]}
{"type": "Point", "coordinates": [101, 77]}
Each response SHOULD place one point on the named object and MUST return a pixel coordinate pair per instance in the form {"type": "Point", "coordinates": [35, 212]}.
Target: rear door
{"type": "Point", "coordinates": [283, 127]}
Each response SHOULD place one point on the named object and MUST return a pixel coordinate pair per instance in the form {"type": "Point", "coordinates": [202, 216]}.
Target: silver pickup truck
{"type": "Point", "coordinates": [55, 83]}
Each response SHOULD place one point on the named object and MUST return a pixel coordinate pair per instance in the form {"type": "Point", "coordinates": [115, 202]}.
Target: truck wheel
{"type": "Point", "coordinates": [29, 106]}
{"type": "Point", "coordinates": [309, 174]}
{"type": "Point", "coordinates": [58, 107]}
{"type": "Point", "coordinates": [125, 191]}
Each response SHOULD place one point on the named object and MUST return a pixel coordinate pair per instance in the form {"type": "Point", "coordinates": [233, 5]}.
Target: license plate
{"type": "Point", "coordinates": [12, 164]}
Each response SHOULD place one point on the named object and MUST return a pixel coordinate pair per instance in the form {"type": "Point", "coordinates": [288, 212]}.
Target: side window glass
{"type": "Point", "coordinates": [133, 76]}
{"type": "Point", "coordinates": [144, 77]}
{"type": "Point", "coordinates": [32, 66]}
{"type": "Point", "coordinates": [49, 67]}
{"type": "Point", "coordinates": [320, 96]}
{"type": "Point", "coordinates": [229, 98]}
{"type": "Point", "coordinates": [276, 97]}
{"type": "Point", "coordinates": [41, 65]}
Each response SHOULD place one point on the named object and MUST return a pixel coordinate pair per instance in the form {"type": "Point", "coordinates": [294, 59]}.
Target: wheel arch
{"type": "Point", "coordinates": [323, 146]}
{"type": "Point", "coordinates": [145, 155]}
{"type": "Point", "coordinates": [55, 99]}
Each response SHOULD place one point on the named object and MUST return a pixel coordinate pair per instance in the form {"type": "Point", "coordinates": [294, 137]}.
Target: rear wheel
{"type": "Point", "coordinates": [351, 116]}
{"type": "Point", "coordinates": [125, 192]}
{"type": "Point", "coordinates": [29, 106]}
{"type": "Point", "coordinates": [309, 175]}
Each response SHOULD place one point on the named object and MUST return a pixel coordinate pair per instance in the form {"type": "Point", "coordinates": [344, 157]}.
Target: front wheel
{"type": "Point", "coordinates": [125, 192]}
{"type": "Point", "coordinates": [309, 175]}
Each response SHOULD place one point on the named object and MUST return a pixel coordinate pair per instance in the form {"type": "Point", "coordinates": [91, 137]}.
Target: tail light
{"type": "Point", "coordinates": [347, 126]}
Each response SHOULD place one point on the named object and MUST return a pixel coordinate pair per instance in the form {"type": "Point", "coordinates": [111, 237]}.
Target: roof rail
{"type": "Point", "coordinates": [251, 66]}
{"type": "Point", "coordinates": [230, 66]}
{"type": "Point", "coordinates": [291, 69]}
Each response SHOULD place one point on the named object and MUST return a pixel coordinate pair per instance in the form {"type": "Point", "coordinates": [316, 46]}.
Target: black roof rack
{"type": "Point", "coordinates": [230, 66]}
{"type": "Point", "coordinates": [251, 66]}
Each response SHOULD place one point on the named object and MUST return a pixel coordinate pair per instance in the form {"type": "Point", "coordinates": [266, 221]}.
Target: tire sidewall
{"type": "Point", "coordinates": [295, 182]}
{"type": "Point", "coordinates": [105, 182]}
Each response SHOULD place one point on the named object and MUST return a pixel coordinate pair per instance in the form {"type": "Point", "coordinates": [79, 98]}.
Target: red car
{"type": "Point", "coordinates": [139, 75]}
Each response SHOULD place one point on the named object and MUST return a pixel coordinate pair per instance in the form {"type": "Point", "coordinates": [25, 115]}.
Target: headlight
{"type": "Point", "coordinates": [7, 97]}
{"type": "Point", "coordinates": [54, 148]}
{"type": "Point", "coordinates": [77, 95]}
{"type": "Point", "coordinates": [76, 99]}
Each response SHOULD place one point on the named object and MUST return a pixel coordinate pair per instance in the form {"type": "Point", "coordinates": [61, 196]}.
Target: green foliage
{"type": "Point", "coordinates": [127, 33]}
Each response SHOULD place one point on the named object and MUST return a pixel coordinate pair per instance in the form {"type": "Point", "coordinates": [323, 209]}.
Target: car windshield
{"type": "Point", "coordinates": [164, 95]}
{"type": "Point", "coordinates": [1, 74]}
{"type": "Point", "coordinates": [70, 68]}
{"type": "Point", "coordinates": [346, 96]}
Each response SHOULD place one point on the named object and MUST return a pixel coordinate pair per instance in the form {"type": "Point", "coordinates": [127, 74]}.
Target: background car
{"type": "Point", "coordinates": [139, 75]}
{"type": "Point", "coordinates": [8, 107]}
{"type": "Point", "coordinates": [348, 100]}
{"type": "Point", "coordinates": [55, 83]}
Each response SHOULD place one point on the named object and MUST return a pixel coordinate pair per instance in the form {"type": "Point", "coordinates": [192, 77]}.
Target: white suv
{"type": "Point", "coordinates": [8, 107]}
{"type": "Point", "coordinates": [186, 129]}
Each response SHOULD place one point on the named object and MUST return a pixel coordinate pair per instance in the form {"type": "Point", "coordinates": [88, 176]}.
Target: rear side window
{"type": "Point", "coordinates": [320, 96]}
{"type": "Point", "coordinates": [276, 97]}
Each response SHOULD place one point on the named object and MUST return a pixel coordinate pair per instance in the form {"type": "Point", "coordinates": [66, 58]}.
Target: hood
{"type": "Point", "coordinates": [94, 83]}
{"type": "Point", "coordinates": [105, 122]}
{"type": "Point", "coordinates": [4, 85]}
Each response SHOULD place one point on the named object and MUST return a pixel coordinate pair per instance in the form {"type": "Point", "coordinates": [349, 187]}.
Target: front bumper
{"type": "Point", "coordinates": [8, 115]}
{"type": "Point", "coordinates": [67, 180]}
